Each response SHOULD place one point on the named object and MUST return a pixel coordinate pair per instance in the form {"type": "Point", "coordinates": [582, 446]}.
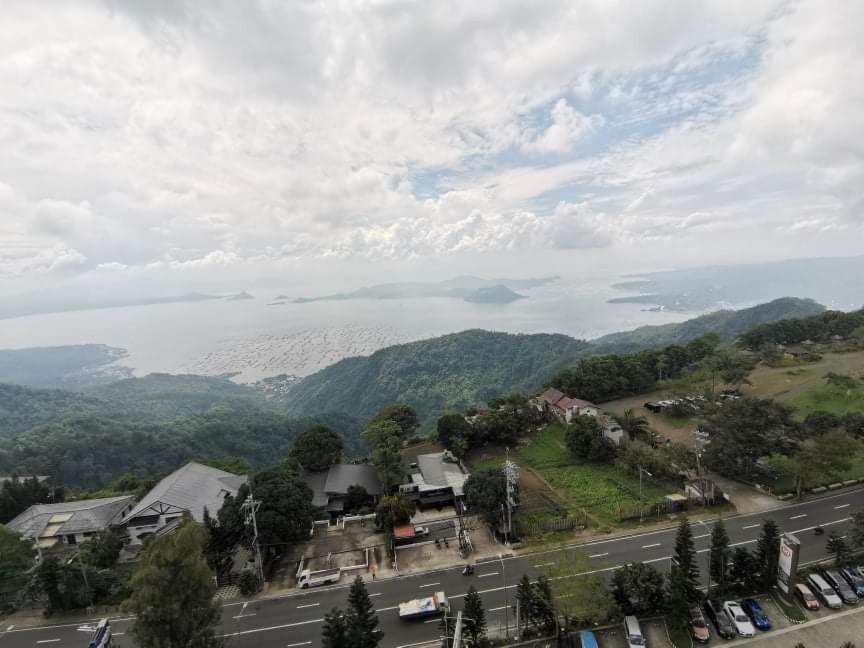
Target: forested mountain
{"type": "Point", "coordinates": [448, 373]}
{"type": "Point", "coordinates": [22, 408]}
{"type": "Point", "coordinates": [456, 371]}
{"type": "Point", "coordinates": [728, 324]}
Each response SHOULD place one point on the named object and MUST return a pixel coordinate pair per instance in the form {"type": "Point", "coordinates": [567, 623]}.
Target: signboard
{"type": "Point", "coordinates": [787, 565]}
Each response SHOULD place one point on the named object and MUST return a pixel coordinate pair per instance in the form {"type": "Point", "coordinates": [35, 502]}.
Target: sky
{"type": "Point", "coordinates": [180, 143]}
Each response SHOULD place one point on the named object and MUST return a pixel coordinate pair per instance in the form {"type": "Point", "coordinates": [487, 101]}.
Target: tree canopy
{"type": "Point", "coordinates": [317, 448]}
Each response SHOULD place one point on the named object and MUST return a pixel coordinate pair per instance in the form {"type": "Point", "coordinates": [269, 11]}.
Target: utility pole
{"type": "Point", "coordinates": [641, 507]}
{"type": "Point", "coordinates": [511, 472]}
{"type": "Point", "coordinates": [249, 507]}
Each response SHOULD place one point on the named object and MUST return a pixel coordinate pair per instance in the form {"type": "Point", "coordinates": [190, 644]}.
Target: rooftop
{"type": "Point", "coordinates": [439, 470]}
{"type": "Point", "coordinates": [66, 518]}
{"type": "Point", "coordinates": [335, 482]}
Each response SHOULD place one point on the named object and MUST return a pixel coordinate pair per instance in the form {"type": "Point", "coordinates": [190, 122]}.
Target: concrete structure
{"type": "Point", "coordinates": [69, 523]}
{"type": "Point", "coordinates": [437, 479]}
{"type": "Point", "coordinates": [329, 487]}
{"type": "Point", "coordinates": [612, 430]}
{"type": "Point", "coordinates": [190, 489]}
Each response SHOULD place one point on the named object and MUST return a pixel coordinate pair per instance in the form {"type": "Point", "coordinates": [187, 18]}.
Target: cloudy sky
{"type": "Point", "coordinates": [191, 141]}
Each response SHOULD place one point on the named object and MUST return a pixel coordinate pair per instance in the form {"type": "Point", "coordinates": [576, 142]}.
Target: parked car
{"type": "Point", "coordinates": [421, 531]}
{"type": "Point", "coordinates": [722, 623]}
{"type": "Point", "coordinates": [633, 633]}
{"type": "Point", "coordinates": [757, 615]}
{"type": "Point", "coordinates": [743, 626]}
{"type": "Point", "coordinates": [855, 580]}
{"type": "Point", "coordinates": [824, 591]}
{"type": "Point", "coordinates": [698, 628]}
{"type": "Point", "coordinates": [806, 597]}
{"type": "Point", "coordinates": [840, 585]}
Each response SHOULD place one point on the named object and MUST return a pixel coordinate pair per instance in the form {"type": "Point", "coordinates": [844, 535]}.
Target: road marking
{"type": "Point", "coordinates": [396, 606]}
{"type": "Point", "coordinates": [375, 594]}
{"type": "Point", "coordinates": [598, 555]}
{"type": "Point", "coordinates": [841, 506]}
{"type": "Point", "coordinates": [308, 605]}
{"type": "Point", "coordinates": [270, 628]}
{"type": "Point", "coordinates": [549, 564]}
{"type": "Point", "coordinates": [433, 621]}
{"type": "Point", "coordinates": [498, 608]}
{"type": "Point", "coordinates": [243, 616]}
{"type": "Point", "coordinates": [117, 634]}
{"type": "Point", "coordinates": [699, 537]}
{"type": "Point", "coordinates": [650, 546]}
{"type": "Point", "coordinates": [421, 643]}
{"type": "Point", "coordinates": [750, 526]}
{"type": "Point", "coordinates": [488, 574]}
{"type": "Point", "coordinates": [743, 542]}
{"type": "Point", "coordinates": [9, 628]}
{"type": "Point", "coordinates": [430, 584]}
{"type": "Point", "coordinates": [47, 641]}
{"type": "Point", "coordinates": [302, 643]}
{"type": "Point", "coordinates": [798, 517]}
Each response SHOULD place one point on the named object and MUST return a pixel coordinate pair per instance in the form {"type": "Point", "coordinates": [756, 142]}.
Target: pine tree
{"type": "Point", "coordinates": [525, 595]}
{"type": "Point", "coordinates": [719, 556]}
{"type": "Point", "coordinates": [685, 560]}
{"type": "Point", "coordinates": [839, 548]}
{"type": "Point", "coordinates": [474, 618]}
{"type": "Point", "coordinates": [172, 593]}
{"type": "Point", "coordinates": [362, 621]}
{"type": "Point", "coordinates": [545, 606]}
{"type": "Point", "coordinates": [334, 634]}
{"type": "Point", "coordinates": [768, 554]}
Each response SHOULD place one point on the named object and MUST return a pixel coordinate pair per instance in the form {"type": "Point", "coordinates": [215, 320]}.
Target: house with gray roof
{"type": "Point", "coordinates": [330, 486]}
{"type": "Point", "coordinates": [51, 526]}
{"type": "Point", "coordinates": [189, 489]}
{"type": "Point", "coordinates": [437, 479]}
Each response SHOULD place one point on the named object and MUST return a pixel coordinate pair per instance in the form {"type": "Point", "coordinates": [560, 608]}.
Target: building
{"type": "Point", "coordinates": [329, 487]}
{"type": "Point", "coordinates": [51, 526]}
{"type": "Point", "coordinates": [190, 489]}
{"type": "Point", "coordinates": [563, 407]}
{"type": "Point", "coordinates": [437, 479]}
{"type": "Point", "coordinates": [612, 430]}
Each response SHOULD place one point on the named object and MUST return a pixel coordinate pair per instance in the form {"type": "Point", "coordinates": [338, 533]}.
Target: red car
{"type": "Point", "coordinates": [807, 598]}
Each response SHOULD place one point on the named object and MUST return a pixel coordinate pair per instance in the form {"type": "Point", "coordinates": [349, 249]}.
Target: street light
{"type": "Point", "coordinates": [506, 603]}
{"type": "Point", "coordinates": [641, 507]}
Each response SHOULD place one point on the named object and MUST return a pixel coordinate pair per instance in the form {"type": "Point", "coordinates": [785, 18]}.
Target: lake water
{"type": "Point", "coordinates": [260, 340]}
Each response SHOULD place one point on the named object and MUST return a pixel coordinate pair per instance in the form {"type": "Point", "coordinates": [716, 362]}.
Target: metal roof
{"type": "Point", "coordinates": [437, 472]}
{"type": "Point", "coordinates": [191, 488]}
{"type": "Point", "coordinates": [342, 476]}
{"type": "Point", "coordinates": [65, 518]}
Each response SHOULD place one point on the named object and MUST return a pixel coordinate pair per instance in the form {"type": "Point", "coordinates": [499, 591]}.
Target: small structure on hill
{"type": "Point", "coordinates": [563, 407]}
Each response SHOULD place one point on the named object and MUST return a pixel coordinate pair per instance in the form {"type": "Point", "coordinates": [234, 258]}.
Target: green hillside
{"type": "Point", "coordinates": [461, 370]}
{"type": "Point", "coordinates": [448, 373]}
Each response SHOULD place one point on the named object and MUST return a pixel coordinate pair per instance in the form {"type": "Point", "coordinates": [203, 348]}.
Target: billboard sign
{"type": "Point", "coordinates": [787, 564]}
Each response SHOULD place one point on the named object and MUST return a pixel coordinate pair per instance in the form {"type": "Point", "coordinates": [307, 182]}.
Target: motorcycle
{"type": "Point", "coordinates": [819, 530]}
{"type": "Point", "coordinates": [467, 570]}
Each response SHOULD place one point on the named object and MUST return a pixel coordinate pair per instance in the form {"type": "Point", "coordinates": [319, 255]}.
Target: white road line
{"type": "Point", "coordinates": [117, 634]}
{"type": "Point", "coordinates": [433, 621]}
{"type": "Point", "coordinates": [396, 606]}
{"type": "Point", "coordinates": [270, 628]}
{"type": "Point", "coordinates": [487, 574]}
{"type": "Point", "coordinates": [422, 643]}
{"type": "Point", "coordinates": [9, 628]}
{"type": "Point", "coordinates": [430, 584]}
{"type": "Point", "coordinates": [751, 526]}
{"type": "Point", "coordinates": [598, 555]}
{"type": "Point", "coordinates": [798, 517]}
{"type": "Point", "coordinates": [743, 542]}
{"type": "Point", "coordinates": [47, 641]}
{"type": "Point", "coordinates": [498, 608]}
{"type": "Point", "coordinates": [699, 537]}
{"type": "Point", "coordinates": [308, 605]}
{"type": "Point", "coordinates": [242, 616]}
{"type": "Point", "coordinates": [841, 506]}
{"type": "Point", "coordinates": [375, 594]}
{"type": "Point", "coordinates": [302, 643]}
{"type": "Point", "coordinates": [538, 566]}
{"type": "Point", "coordinates": [650, 546]}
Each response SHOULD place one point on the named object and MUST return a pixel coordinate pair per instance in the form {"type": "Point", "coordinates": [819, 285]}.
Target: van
{"type": "Point", "coordinates": [824, 591]}
{"type": "Point", "coordinates": [633, 632]}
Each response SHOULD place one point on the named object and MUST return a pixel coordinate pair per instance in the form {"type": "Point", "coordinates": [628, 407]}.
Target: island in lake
{"type": "Point", "coordinates": [471, 289]}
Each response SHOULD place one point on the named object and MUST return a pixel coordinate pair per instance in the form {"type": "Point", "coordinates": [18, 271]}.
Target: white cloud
{"type": "Point", "coordinates": [567, 127]}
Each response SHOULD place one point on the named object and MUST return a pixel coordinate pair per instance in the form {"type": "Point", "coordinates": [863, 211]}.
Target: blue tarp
{"type": "Point", "coordinates": [588, 639]}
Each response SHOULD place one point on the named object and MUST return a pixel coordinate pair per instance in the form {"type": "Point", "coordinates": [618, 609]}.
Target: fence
{"type": "Point", "coordinates": [540, 525]}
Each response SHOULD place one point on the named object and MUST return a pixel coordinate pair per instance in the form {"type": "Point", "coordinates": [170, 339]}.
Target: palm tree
{"type": "Point", "coordinates": [633, 424]}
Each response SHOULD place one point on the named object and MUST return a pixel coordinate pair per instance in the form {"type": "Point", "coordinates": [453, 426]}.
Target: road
{"type": "Point", "coordinates": [294, 620]}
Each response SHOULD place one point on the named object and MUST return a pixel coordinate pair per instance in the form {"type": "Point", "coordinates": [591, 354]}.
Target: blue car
{"type": "Point", "coordinates": [855, 580]}
{"type": "Point", "coordinates": [753, 610]}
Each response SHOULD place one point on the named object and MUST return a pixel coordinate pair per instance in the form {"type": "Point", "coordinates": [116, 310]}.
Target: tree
{"type": "Point", "coordinates": [585, 440]}
{"type": "Point", "coordinates": [335, 631]}
{"type": "Point", "coordinates": [719, 556]}
{"type": "Point", "coordinates": [486, 492]}
{"type": "Point", "coordinates": [634, 425]}
{"type": "Point", "coordinates": [17, 495]}
{"type": "Point", "coordinates": [744, 570]}
{"type": "Point", "coordinates": [102, 550]}
{"type": "Point", "coordinates": [475, 623]}
{"type": "Point", "coordinates": [235, 465]}
{"type": "Point", "coordinates": [317, 448]}
{"type": "Point", "coordinates": [841, 381]}
{"type": "Point", "coordinates": [172, 592]}
{"type": "Point", "coordinates": [526, 596]}
{"type": "Point", "coordinates": [768, 554]}
{"type": "Point", "coordinates": [857, 531]}
{"type": "Point", "coordinates": [544, 605]}
{"type": "Point", "coordinates": [684, 562]}
{"type": "Point", "coordinates": [357, 499]}
{"type": "Point", "coordinates": [639, 589]}
{"type": "Point", "coordinates": [384, 438]}
{"type": "Point", "coordinates": [16, 554]}
{"type": "Point", "coordinates": [393, 511]}
{"type": "Point", "coordinates": [581, 597]}
{"type": "Point", "coordinates": [403, 416]}
{"type": "Point", "coordinates": [286, 510]}
{"type": "Point", "coordinates": [362, 620]}
{"type": "Point", "coordinates": [820, 422]}
{"type": "Point", "coordinates": [454, 433]}
{"type": "Point", "coordinates": [839, 548]}
{"type": "Point", "coordinates": [828, 454]}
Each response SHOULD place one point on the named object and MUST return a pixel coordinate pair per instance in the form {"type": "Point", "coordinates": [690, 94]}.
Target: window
{"type": "Point", "coordinates": [70, 539]}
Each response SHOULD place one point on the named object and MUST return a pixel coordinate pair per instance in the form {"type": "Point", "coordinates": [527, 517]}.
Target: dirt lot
{"type": "Point", "coordinates": [680, 430]}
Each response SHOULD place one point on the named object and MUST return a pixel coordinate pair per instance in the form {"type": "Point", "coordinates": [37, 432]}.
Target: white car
{"type": "Point", "coordinates": [741, 620]}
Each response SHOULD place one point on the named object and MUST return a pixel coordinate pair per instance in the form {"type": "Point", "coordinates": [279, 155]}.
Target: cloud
{"type": "Point", "coordinates": [567, 127]}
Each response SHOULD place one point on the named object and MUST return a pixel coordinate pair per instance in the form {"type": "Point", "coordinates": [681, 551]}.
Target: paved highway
{"type": "Point", "coordinates": [294, 620]}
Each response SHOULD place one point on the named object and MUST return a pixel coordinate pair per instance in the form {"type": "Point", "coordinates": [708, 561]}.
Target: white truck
{"type": "Point", "coordinates": [424, 607]}
{"type": "Point", "coordinates": [310, 578]}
